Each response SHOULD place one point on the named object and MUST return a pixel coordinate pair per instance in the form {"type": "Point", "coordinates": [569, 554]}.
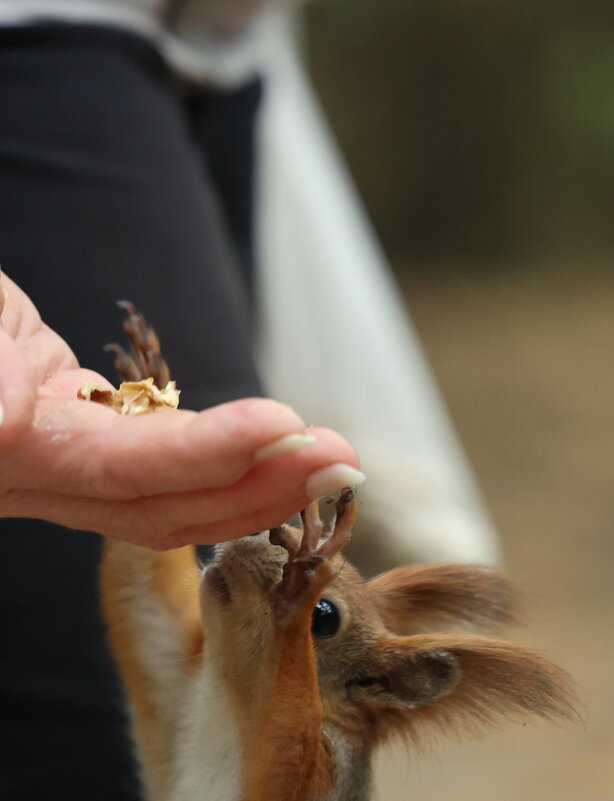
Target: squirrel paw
{"type": "Point", "coordinates": [144, 359]}
{"type": "Point", "coordinates": [308, 569]}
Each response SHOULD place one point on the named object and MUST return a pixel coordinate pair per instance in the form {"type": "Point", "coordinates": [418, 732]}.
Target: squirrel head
{"type": "Point", "coordinates": [384, 665]}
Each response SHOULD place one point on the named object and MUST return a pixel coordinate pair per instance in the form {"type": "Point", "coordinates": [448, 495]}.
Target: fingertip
{"type": "Point", "coordinates": [245, 432]}
{"type": "Point", "coordinates": [285, 444]}
{"type": "Point", "coordinates": [331, 479]}
{"type": "Point", "coordinates": [334, 447]}
{"type": "Point", "coordinates": [261, 420]}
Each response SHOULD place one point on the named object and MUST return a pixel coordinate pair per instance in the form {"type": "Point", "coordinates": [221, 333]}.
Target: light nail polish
{"type": "Point", "coordinates": [287, 444]}
{"type": "Point", "coordinates": [331, 479]}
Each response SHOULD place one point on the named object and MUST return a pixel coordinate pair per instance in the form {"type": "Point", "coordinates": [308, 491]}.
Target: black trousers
{"type": "Point", "coordinates": [115, 182]}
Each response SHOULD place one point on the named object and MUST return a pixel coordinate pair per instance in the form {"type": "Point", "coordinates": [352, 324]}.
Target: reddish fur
{"type": "Point", "coordinates": [288, 760]}
{"type": "Point", "coordinates": [407, 598]}
{"type": "Point", "coordinates": [173, 578]}
{"type": "Point", "coordinates": [290, 724]}
{"type": "Point", "coordinates": [496, 678]}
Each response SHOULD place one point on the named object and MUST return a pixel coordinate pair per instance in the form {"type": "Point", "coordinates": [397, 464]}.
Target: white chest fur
{"type": "Point", "coordinates": [207, 758]}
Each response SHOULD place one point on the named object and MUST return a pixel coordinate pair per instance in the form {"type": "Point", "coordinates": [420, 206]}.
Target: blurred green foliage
{"type": "Point", "coordinates": [476, 129]}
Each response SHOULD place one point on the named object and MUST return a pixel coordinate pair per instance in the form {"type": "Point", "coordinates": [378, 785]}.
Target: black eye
{"type": "Point", "coordinates": [326, 619]}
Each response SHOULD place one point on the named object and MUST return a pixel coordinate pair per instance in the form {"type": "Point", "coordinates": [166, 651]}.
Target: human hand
{"type": "Point", "coordinates": [160, 480]}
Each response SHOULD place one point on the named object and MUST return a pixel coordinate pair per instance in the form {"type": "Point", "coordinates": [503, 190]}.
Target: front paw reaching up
{"type": "Point", "coordinates": [309, 569]}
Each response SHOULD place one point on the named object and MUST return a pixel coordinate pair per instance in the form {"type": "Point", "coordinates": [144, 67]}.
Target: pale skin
{"type": "Point", "coordinates": [161, 480]}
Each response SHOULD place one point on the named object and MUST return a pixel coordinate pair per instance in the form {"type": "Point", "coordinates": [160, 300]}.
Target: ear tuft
{"type": "Point", "coordinates": [498, 679]}
{"type": "Point", "coordinates": [455, 680]}
{"type": "Point", "coordinates": [421, 597]}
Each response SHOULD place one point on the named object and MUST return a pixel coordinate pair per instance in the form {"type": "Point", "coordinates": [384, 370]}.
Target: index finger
{"type": "Point", "coordinates": [81, 448]}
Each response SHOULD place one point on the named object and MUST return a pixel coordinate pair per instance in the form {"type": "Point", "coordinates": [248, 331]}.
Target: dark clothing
{"type": "Point", "coordinates": [115, 182]}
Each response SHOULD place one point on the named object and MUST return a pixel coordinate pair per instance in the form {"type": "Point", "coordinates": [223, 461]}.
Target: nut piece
{"type": "Point", "coordinates": [133, 397]}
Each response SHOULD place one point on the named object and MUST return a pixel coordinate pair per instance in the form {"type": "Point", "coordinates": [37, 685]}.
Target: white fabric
{"type": "Point", "coordinates": [195, 52]}
{"type": "Point", "coordinates": [336, 343]}
{"type": "Point", "coordinates": [140, 17]}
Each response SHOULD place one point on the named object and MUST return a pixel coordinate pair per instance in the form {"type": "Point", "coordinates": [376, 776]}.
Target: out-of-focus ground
{"type": "Point", "coordinates": [525, 361]}
{"type": "Point", "coordinates": [482, 134]}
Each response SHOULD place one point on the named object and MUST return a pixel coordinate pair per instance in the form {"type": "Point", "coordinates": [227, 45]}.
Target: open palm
{"type": "Point", "coordinates": [159, 480]}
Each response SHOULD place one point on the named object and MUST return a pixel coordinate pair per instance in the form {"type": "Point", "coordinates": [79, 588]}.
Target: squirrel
{"type": "Point", "coordinates": [273, 673]}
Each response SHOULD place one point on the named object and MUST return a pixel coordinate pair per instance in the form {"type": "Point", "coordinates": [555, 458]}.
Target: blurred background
{"type": "Point", "coordinates": [481, 137]}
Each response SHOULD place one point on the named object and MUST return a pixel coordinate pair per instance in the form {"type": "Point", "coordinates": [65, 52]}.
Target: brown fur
{"type": "Point", "coordinates": [288, 759]}
{"type": "Point", "coordinates": [491, 679]}
{"type": "Point", "coordinates": [411, 597]}
{"type": "Point", "coordinates": [172, 579]}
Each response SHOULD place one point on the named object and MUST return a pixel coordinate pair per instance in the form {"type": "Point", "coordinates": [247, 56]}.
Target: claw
{"type": "Point", "coordinates": [312, 527]}
{"type": "Point", "coordinates": [346, 515]}
{"type": "Point", "coordinates": [124, 364]}
{"type": "Point", "coordinates": [144, 359]}
{"type": "Point", "coordinates": [346, 501]}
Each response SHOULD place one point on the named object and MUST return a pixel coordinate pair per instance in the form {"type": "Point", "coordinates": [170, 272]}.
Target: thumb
{"type": "Point", "coordinates": [17, 392]}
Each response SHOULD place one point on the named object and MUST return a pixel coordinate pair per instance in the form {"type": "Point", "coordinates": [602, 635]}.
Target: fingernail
{"type": "Point", "coordinates": [332, 478]}
{"type": "Point", "coordinates": [287, 444]}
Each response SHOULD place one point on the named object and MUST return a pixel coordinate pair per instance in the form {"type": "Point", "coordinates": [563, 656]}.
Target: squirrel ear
{"type": "Point", "coordinates": [456, 677]}
{"type": "Point", "coordinates": [404, 679]}
{"type": "Point", "coordinates": [412, 599]}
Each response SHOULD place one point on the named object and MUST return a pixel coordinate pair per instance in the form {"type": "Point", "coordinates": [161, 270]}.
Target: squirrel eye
{"type": "Point", "coordinates": [326, 619]}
